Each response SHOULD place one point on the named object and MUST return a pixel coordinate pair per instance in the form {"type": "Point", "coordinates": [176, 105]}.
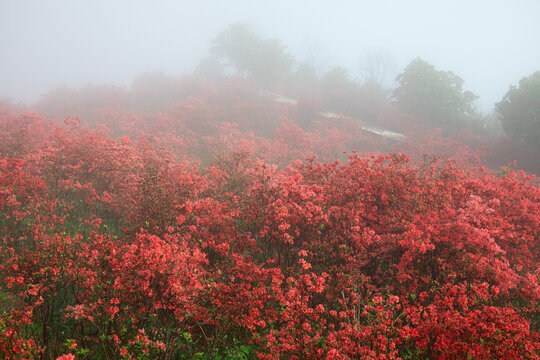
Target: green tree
{"type": "Point", "coordinates": [520, 111]}
{"type": "Point", "coordinates": [338, 78]}
{"type": "Point", "coordinates": [210, 68]}
{"type": "Point", "coordinates": [263, 60]}
{"type": "Point", "coordinates": [436, 97]}
{"type": "Point", "coordinates": [339, 91]}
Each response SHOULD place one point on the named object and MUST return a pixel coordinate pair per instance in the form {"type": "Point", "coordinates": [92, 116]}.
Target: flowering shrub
{"type": "Point", "coordinates": [184, 235]}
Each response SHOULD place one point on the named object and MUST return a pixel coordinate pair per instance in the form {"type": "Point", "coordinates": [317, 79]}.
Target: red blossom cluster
{"type": "Point", "coordinates": [183, 235]}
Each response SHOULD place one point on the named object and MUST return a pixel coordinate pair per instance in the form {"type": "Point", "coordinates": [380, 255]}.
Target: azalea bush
{"type": "Point", "coordinates": [180, 235]}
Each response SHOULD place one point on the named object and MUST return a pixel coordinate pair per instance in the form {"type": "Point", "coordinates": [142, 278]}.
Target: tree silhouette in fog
{"type": "Point", "coordinates": [520, 111]}
{"type": "Point", "coordinates": [263, 60]}
{"type": "Point", "coordinates": [436, 97]}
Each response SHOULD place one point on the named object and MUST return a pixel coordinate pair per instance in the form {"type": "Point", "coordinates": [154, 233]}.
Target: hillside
{"type": "Point", "coordinates": [188, 218]}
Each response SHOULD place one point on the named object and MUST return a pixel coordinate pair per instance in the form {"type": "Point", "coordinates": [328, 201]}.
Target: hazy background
{"type": "Point", "coordinates": [43, 44]}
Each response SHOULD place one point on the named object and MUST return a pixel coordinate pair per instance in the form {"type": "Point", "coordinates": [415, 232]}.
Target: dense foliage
{"type": "Point", "coordinates": [225, 225]}
{"type": "Point", "coordinates": [436, 96]}
{"type": "Point", "coordinates": [264, 60]}
{"type": "Point", "coordinates": [520, 111]}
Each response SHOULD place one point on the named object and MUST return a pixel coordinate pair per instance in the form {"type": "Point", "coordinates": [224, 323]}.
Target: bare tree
{"type": "Point", "coordinates": [314, 56]}
{"type": "Point", "coordinates": [377, 66]}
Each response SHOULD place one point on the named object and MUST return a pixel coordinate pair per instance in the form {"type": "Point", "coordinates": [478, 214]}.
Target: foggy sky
{"type": "Point", "coordinates": [491, 44]}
